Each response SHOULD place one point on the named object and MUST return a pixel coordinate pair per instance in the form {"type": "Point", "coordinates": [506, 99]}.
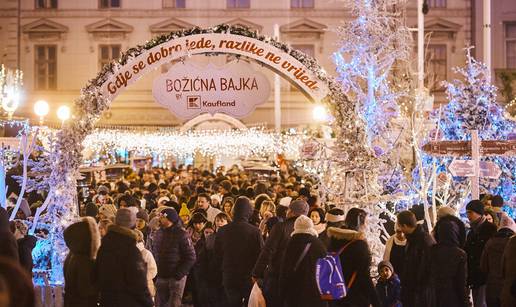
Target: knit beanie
{"type": "Point", "coordinates": [475, 206]}
{"type": "Point", "coordinates": [125, 218]}
{"type": "Point", "coordinates": [304, 224]}
{"type": "Point", "coordinates": [170, 214]}
{"type": "Point", "coordinates": [143, 215]}
{"type": "Point", "coordinates": [108, 210]}
{"type": "Point", "coordinates": [184, 210]}
{"type": "Point", "coordinates": [163, 199]}
{"type": "Point", "coordinates": [335, 215]}
{"type": "Point", "coordinates": [507, 222]}
{"type": "Point", "coordinates": [285, 201]}
{"type": "Point", "coordinates": [299, 207]}
{"type": "Point", "coordinates": [385, 263]}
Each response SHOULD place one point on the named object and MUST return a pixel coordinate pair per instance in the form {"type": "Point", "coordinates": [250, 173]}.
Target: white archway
{"type": "Point", "coordinates": [196, 121]}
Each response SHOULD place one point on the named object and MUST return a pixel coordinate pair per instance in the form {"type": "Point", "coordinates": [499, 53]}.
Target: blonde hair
{"type": "Point", "coordinates": [268, 206]}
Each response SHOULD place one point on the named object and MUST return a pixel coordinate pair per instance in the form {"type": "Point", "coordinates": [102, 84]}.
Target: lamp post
{"type": "Point", "coordinates": [41, 109]}
{"type": "Point", "coordinates": [63, 113]}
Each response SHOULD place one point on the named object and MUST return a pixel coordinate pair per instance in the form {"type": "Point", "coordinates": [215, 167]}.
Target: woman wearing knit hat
{"type": "Point", "coordinates": [298, 286]}
{"type": "Point", "coordinates": [107, 211]}
{"type": "Point", "coordinates": [184, 214]}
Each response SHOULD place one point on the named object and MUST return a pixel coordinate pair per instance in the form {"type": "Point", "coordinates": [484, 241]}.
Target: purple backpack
{"type": "Point", "coordinates": [328, 274]}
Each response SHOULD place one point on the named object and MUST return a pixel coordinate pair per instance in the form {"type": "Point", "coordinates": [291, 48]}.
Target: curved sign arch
{"type": "Point", "coordinates": [178, 48]}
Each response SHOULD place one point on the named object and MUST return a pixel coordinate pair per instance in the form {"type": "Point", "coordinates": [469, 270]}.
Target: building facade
{"type": "Point", "coordinates": [64, 43]}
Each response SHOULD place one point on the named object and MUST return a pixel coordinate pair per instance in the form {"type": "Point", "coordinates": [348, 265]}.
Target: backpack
{"type": "Point", "coordinates": [328, 274]}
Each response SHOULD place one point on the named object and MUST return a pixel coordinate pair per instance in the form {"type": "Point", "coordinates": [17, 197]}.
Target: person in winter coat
{"type": "Point", "coordinates": [415, 288]}
{"type": "Point", "coordinates": [237, 247]}
{"type": "Point", "coordinates": [26, 244]}
{"type": "Point", "coordinates": [395, 249]}
{"type": "Point", "coordinates": [148, 258]}
{"type": "Point", "coordinates": [16, 288]}
{"type": "Point", "coordinates": [447, 265]}
{"type": "Point", "coordinates": [481, 231]}
{"type": "Point", "coordinates": [120, 270]}
{"type": "Point", "coordinates": [388, 287]}
{"type": "Point", "coordinates": [175, 256]}
{"type": "Point", "coordinates": [8, 245]}
{"type": "Point", "coordinates": [453, 219]}
{"type": "Point", "coordinates": [508, 295]}
{"type": "Point", "coordinates": [83, 240]}
{"type": "Point", "coordinates": [356, 261]}
{"type": "Point", "coordinates": [491, 260]}
{"type": "Point", "coordinates": [298, 285]}
{"type": "Point", "coordinates": [268, 265]}
{"type": "Point", "coordinates": [334, 218]}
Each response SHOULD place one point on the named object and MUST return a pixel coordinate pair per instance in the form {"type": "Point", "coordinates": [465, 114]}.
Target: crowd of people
{"type": "Point", "coordinates": [231, 238]}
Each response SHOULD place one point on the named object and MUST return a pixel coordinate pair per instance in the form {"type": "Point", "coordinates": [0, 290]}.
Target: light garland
{"type": "Point", "coordinates": [213, 143]}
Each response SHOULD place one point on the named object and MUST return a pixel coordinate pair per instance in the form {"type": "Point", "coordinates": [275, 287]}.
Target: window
{"type": "Point", "coordinates": [437, 66]}
{"type": "Point", "coordinates": [510, 45]}
{"type": "Point", "coordinates": [178, 4]}
{"type": "Point", "coordinates": [437, 3]}
{"type": "Point", "coordinates": [306, 49]}
{"type": "Point", "coordinates": [46, 4]}
{"type": "Point", "coordinates": [301, 4]}
{"type": "Point", "coordinates": [238, 4]}
{"type": "Point", "coordinates": [45, 67]}
{"type": "Point", "coordinates": [108, 53]}
{"type": "Point", "coordinates": [107, 4]}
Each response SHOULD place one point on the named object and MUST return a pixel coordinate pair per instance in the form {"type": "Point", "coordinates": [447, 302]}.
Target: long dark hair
{"type": "Point", "coordinates": [355, 218]}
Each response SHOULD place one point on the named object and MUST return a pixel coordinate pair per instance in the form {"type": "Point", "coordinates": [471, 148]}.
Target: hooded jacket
{"type": "Point", "coordinates": [491, 262]}
{"type": "Point", "coordinates": [83, 241]}
{"type": "Point", "coordinates": [237, 246]}
{"type": "Point", "coordinates": [120, 270]}
{"type": "Point", "coordinates": [8, 245]}
{"type": "Point", "coordinates": [356, 258]}
{"type": "Point", "coordinates": [447, 265]}
{"type": "Point", "coordinates": [508, 296]}
{"type": "Point", "coordinates": [481, 231]}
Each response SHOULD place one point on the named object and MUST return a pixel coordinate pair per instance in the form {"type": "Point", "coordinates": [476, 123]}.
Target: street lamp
{"type": "Point", "coordinates": [41, 109]}
{"type": "Point", "coordinates": [63, 113]}
{"type": "Point", "coordinates": [319, 113]}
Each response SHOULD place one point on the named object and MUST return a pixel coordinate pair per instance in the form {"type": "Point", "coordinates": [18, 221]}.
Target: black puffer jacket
{"type": "Point", "coordinates": [8, 245]}
{"type": "Point", "coordinates": [174, 252]}
{"type": "Point", "coordinates": [83, 240]}
{"type": "Point", "coordinates": [237, 247]}
{"type": "Point", "coordinates": [120, 270]}
{"type": "Point", "coordinates": [25, 247]}
{"type": "Point", "coordinates": [356, 258]}
{"type": "Point", "coordinates": [451, 218]}
{"type": "Point", "coordinates": [415, 286]}
{"type": "Point", "coordinates": [481, 231]}
{"type": "Point", "coordinates": [447, 266]}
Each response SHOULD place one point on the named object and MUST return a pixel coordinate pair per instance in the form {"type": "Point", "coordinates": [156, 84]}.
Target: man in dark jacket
{"type": "Point", "coordinates": [415, 289]}
{"type": "Point", "coordinates": [269, 262]}
{"type": "Point", "coordinates": [120, 270]}
{"type": "Point", "coordinates": [175, 256]}
{"type": "Point", "coordinates": [8, 245]}
{"type": "Point", "coordinates": [237, 246]}
{"type": "Point", "coordinates": [481, 231]}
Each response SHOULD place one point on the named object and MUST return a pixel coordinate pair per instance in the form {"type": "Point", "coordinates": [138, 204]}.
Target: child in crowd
{"type": "Point", "coordinates": [388, 287]}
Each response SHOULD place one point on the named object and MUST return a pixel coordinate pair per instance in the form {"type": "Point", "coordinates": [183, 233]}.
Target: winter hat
{"type": "Point", "coordinates": [184, 210]}
{"type": "Point", "coordinates": [299, 207]}
{"type": "Point", "coordinates": [285, 201]}
{"type": "Point", "coordinates": [444, 211]}
{"type": "Point", "coordinates": [173, 198]}
{"type": "Point", "coordinates": [385, 263]}
{"type": "Point", "coordinates": [497, 201]}
{"type": "Point", "coordinates": [163, 199]}
{"type": "Point", "coordinates": [507, 222]}
{"type": "Point", "coordinates": [475, 206]}
{"type": "Point", "coordinates": [216, 197]}
{"type": "Point", "coordinates": [171, 215]}
{"type": "Point", "coordinates": [304, 224]}
{"type": "Point", "coordinates": [135, 210]}
{"type": "Point", "coordinates": [125, 218]}
{"type": "Point", "coordinates": [91, 210]}
{"type": "Point", "coordinates": [108, 210]}
{"type": "Point", "coordinates": [102, 190]}
{"type": "Point", "coordinates": [335, 215]}
{"type": "Point", "coordinates": [142, 214]}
